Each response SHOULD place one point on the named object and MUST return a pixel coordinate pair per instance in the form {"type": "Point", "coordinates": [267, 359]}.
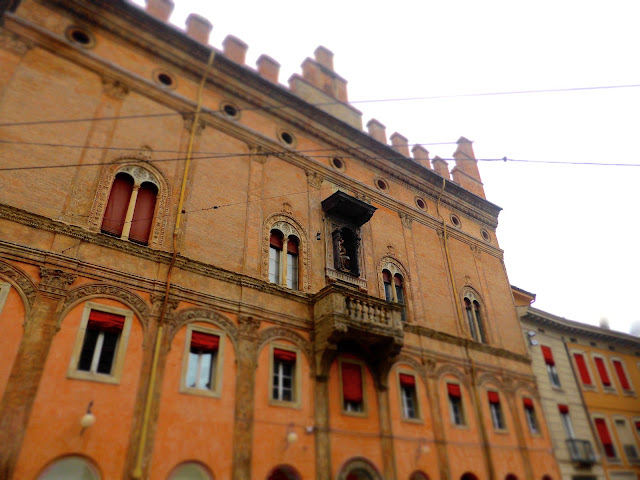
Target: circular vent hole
{"type": "Point", "coordinates": [455, 220]}
{"type": "Point", "coordinates": [230, 110]}
{"type": "Point", "coordinates": [382, 185]}
{"type": "Point", "coordinates": [420, 203]}
{"type": "Point", "coordinates": [165, 79]}
{"type": "Point", "coordinates": [286, 138]}
{"type": "Point", "coordinates": [337, 163]}
{"type": "Point", "coordinates": [486, 236]}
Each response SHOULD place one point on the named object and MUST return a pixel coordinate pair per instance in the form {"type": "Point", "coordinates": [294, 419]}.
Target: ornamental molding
{"type": "Point", "coordinates": [486, 379]}
{"type": "Point", "coordinates": [248, 327]}
{"type": "Point", "coordinates": [188, 123]}
{"type": "Point", "coordinates": [14, 43]}
{"type": "Point", "coordinates": [314, 179]}
{"type": "Point", "coordinates": [55, 281]}
{"type": "Point", "coordinates": [191, 315]}
{"type": "Point", "coordinates": [407, 220]}
{"type": "Point", "coordinates": [23, 284]}
{"type": "Point", "coordinates": [114, 89]}
{"type": "Point", "coordinates": [285, 223]}
{"type": "Point", "coordinates": [95, 290]}
{"type": "Point", "coordinates": [403, 358]}
{"type": "Point", "coordinates": [358, 464]}
{"type": "Point", "coordinates": [272, 333]}
{"type": "Point", "coordinates": [450, 370]}
{"type": "Point", "coordinates": [157, 300]}
{"type": "Point", "coordinates": [141, 171]}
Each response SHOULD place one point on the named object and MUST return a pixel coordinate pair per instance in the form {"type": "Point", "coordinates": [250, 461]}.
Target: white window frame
{"type": "Point", "coordinates": [345, 408]}
{"type": "Point", "coordinates": [567, 424]}
{"type": "Point", "coordinates": [120, 352]}
{"type": "Point", "coordinates": [417, 418]}
{"type": "Point", "coordinates": [296, 388]}
{"type": "Point", "coordinates": [450, 401]}
{"type": "Point", "coordinates": [629, 433]}
{"type": "Point", "coordinates": [217, 370]}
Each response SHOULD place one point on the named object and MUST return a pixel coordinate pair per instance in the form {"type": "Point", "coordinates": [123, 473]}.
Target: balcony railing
{"type": "Point", "coordinates": [581, 451]}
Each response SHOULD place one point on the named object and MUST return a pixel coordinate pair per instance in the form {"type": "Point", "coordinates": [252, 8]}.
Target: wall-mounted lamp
{"type": "Point", "coordinates": [292, 436]}
{"type": "Point", "coordinates": [88, 419]}
{"type": "Point", "coordinates": [532, 341]}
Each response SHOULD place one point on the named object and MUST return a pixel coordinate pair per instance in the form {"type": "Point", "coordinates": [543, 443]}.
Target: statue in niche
{"type": "Point", "coordinates": [345, 261]}
{"type": "Point", "coordinates": [345, 251]}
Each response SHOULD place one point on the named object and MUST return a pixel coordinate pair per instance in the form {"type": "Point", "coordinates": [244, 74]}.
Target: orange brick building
{"type": "Point", "coordinates": [206, 274]}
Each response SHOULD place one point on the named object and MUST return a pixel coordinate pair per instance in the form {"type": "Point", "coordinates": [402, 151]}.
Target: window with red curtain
{"type": "Point", "coordinates": [143, 213]}
{"type": "Point", "coordinates": [105, 322]}
{"type": "Point", "coordinates": [548, 355]}
{"type": "Point", "coordinates": [453, 389]}
{"type": "Point", "coordinates": [605, 438]}
{"type": "Point", "coordinates": [527, 402]}
{"type": "Point", "coordinates": [352, 382]}
{"type": "Point", "coordinates": [204, 341]}
{"type": "Point", "coordinates": [407, 380]}
{"type": "Point", "coordinates": [582, 368]}
{"type": "Point", "coordinates": [284, 355]}
{"type": "Point", "coordinates": [622, 376]}
{"type": "Point", "coordinates": [563, 408]}
{"type": "Point", "coordinates": [602, 371]}
{"type": "Point", "coordinates": [493, 397]}
{"type": "Point", "coordinates": [116, 211]}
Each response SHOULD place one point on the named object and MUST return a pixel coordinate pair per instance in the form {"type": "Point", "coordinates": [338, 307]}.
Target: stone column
{"type": "Point", "coordinates": [245, 396]}
{"type": "Point", "coordinates": [39, 328]}
{"type": "Point", "coordinates": [12, 50]}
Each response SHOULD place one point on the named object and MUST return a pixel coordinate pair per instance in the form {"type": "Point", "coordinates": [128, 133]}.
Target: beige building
{"type": "Point", "coordinates": [594, 426]}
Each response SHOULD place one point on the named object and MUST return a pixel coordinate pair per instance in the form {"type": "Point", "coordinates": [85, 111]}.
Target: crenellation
{"type": "Point", "coordinates": [198, 28]}
{"type": "Point", "coordinates": [234, 49]}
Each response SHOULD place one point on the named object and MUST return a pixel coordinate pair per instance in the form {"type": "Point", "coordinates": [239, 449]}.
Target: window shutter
{"type": "Point", "coordinates": [527, 402]}
{"type": "Point", "coordinates": [453, 389]}
{"type": "Point", "coordinates": [493, 397]}
{"type": "Point", "coordinates": [563, 408]}
{"type": "Point", "coordinates": [284, 355]}
{"type": "Point", "coordinates": [582, 368]}
{"type": "Point", "coordinates": [116, 211]}
{"type": "Point", "coordinates": [275, 240]}
{"type": "Point", "coordinates": [638, 425]}
{"type": "Point", "coordinates": [622, 376]}
{"type": "Point", "coordinates": [602, 370]}
{"type": "Point", "coordinates": [548, 356]}
{"type": "Point", "coordinates": [105, 322]}
{"type": "Point", "coordinates": [204, 341]}
{"type": "Point", "coordinates": [292, 246]}
{"type": "Point", "coordinates": [386, 276]}
{"type": "Point", "coordinates": [351, 382]}
{"type": "Point", "coordinates": [143, 213]}
{"type": "Point", "coordinates": [603, 431]}
{"type": "Point", "coordinates": [407, 380]}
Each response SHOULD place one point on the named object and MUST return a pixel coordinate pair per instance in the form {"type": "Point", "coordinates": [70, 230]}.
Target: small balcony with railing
{"type": "Point", "coordinates": [581, 452]}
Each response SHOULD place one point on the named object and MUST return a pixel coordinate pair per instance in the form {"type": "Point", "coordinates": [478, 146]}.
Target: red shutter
{"type": "Point", "coordinates": [204, 341]}
{"type": "Point", "coordinates": [548, 356]}
{"type": "Point", "coordinates": [143, 213]}
{"type": "Point", "coordinates": [351, 382]}
{"type": "Point", "coordinates": [454, 390]}
{"type": "Point", "coordinates": [638, 425]}
{"type": "Point", "coordinates": [528, 403]}
{"type": "Point", "coordinates": [563, 408]}
{"type": "Point", "coordinates": [106, 322]}
{"type": "Point", "coordinates": [582, 368]}
{"type": "Point", "coordinates": [284, 355]}
{"type": "Point", "coordinates": [118, 203]}
{"type": "Point", "coordinates": [602, 370]}
{"type": "Point", "coordinates": [407, 380]}
{"type": "Point", "coordinates": [493, 397]}
{"type": "Point", "coordinates": [292, 246]}
{"type": "Point", "coordinates": [622, 376]}
{"type": "Point", "coordinates": [276, 239]}
{"type": "Point", "coordinates": [603, 431]}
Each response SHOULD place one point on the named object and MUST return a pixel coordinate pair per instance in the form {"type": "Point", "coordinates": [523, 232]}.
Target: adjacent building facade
{"type": "Point", "coordinates": [206, 274]}
{"type": "Point", "coordinates": [588, 380]}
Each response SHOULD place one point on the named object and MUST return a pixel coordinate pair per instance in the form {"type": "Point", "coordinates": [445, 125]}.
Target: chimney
{"type": "Point", "coordinates": [268, 68]}
{"type": "Point", "coordinates": [198, 28]}
{"type": "Point", "coordinates": [466, 173]}
{"type": "Point", "coordinates": [324, 57]}
{"type": "Point", "coordinates": [377, 130]}
{"type": "Point", "coordinates": [604, 323]}
{"type": "Point", "coordinates": [421, 156]}
{"type": "Point", "coordinates": [441, 167]}
{"type": "Point", "coordinates": [400, 144]}
{"type": "Point", "coordinates": [160, 9]}
{"type": "Point", "coordinates": [234, 49]}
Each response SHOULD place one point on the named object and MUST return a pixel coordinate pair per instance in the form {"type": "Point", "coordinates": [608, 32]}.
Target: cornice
{"type": "Point", "coordinates": [579, 329]}
{"type": "Point", "coordinates": [463, 342]}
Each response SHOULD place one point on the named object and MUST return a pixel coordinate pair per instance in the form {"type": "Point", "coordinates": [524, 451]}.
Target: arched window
{"type": "Point", "coordinates": [394, 290]}
{"type": "Point", "coordinates": [283, 269]}
{"type": "Point", "coordinates": [474, 317]}
{"type": "Point", "coordinates": [70, 467]}
{"type": "Point", "coordinates": [130, 208]}
{"type": "Point", "coordinates": [468, 476]}
{"type": "Point", "coordinates": [419, 476]}
{"type": "Point", "coordinates": [190, 471]}
{"type": "Point", "coordinates": [510, 476]}
{"type": "Point", "coordinates": [283, 472]}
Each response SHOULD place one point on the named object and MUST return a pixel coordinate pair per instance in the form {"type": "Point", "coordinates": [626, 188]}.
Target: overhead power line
{"type": "Point", "coordinates": [382, 100]}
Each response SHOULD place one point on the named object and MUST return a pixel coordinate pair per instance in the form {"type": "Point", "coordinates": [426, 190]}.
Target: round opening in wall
{"type": "Point", "coordinates": [455, 220]}
{"type": "Point", "coordinates": [485, 236]}
{"type": "Point", "coordinates": [165, 79]}
{"type": "Point", "coordinates": [286, 137]}
{"type": "Point", "coordinates": [381, 184]}
{"type": "Point", "coordinates": [421, 203]}
{"type": "Point", "coordinates": [230, 110]}
{"type": "Point", "coordinates": [337, 163]}
{"type": "Point", "coordinates": [80, 36]}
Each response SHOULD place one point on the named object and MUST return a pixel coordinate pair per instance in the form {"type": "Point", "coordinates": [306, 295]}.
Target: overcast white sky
{"type": "Point", "coordinates": [570, 232]}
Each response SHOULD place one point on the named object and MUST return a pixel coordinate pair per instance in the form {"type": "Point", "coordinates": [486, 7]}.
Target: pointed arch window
{"type": "Point", "coordinates": [394, 287]}
{"type": "Point", "coordinates": [474, 317]}
{"type": "Point", "coordinates": [131, 206]}
{"type": "Point", "coordinates": [284, 264]}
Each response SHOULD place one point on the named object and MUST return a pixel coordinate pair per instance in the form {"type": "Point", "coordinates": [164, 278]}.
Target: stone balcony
{"type": "Point", "coordinates": [348, 320]}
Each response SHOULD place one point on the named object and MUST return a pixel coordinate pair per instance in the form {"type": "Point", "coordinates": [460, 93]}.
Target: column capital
{"type": "Point", "coordinates": [55, 281]}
